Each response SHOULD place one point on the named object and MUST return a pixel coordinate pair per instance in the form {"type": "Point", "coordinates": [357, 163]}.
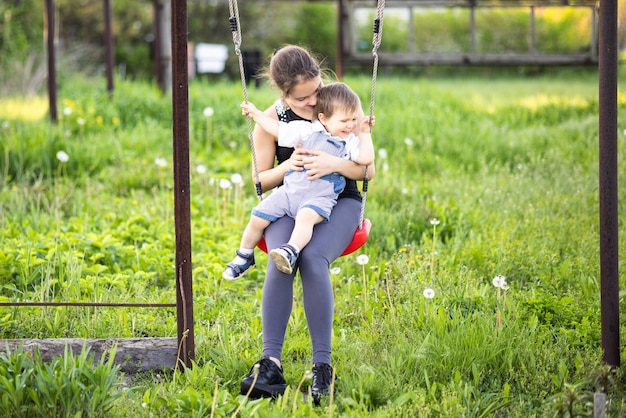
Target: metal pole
{"type": "Point", "coordinates": [180, 113]}
{"type": "Point", "coordinates": [108, 45]}
{"type": "Point", "coordinates": [609, 250]}
{"type": "Point", "coordinates": [52, 75]}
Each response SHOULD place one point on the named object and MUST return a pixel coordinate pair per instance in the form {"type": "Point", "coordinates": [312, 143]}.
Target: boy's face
{"type": "Point", "coordinates": [341, 123]}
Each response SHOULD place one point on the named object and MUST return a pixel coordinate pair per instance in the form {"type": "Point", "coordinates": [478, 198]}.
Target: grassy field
{"type": "Point", "coordinates": [482, 180]}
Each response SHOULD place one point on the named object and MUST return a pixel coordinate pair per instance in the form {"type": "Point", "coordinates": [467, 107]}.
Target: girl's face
{"type": "Point", "coordinates": [341, 123]}
{"type": "Point", "coordinates": [303, 97]}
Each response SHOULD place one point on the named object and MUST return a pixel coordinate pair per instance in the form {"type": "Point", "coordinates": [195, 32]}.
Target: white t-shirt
{"type": "Point", "coordinates": [295, 133]}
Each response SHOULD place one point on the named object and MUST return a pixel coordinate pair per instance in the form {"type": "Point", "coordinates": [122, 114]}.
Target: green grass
{"type": "Point", "coordinates": [507, 165]}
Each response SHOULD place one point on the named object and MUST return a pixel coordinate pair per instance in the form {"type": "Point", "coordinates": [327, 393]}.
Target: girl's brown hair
{"type": "Point", "coordinates": [291, 65]}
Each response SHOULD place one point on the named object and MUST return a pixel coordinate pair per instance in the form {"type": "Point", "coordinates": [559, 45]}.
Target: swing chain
{"type": "Point", "coordinates": [236, 31]}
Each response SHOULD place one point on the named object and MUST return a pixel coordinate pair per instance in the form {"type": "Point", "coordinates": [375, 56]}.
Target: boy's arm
{"type": "Point", "coordinates": [266, 122]}
{"type": "Point", "coordinates": [366, 145]}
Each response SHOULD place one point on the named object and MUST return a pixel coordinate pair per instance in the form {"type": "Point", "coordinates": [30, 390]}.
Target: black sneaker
{"type": "Point", "coordinates": [270, 382]}
{"type": "Point", "coordinates": [322, 381]}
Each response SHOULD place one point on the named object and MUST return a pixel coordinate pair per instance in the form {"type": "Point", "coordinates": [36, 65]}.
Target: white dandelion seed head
{"type": "Point", "coordinates": [67, 111]}
{"type": "Point", "coordinates": [382, 153]}
{"type": "Point", "coordinates": [160, 161]}
{"type": "Point", "coordinates": [225, 184]}
{"type": "Point", "coordinates": [233, 144]}
{"type": "Point", "coordinates": [408, 141]}
{"type": "Point", "coordinates": [429, 293]}
{"type": "Point", "coordinates": [62, 156]}
{"type": "Point", "coordinates": [499, 281]}
{"type": "Point", "coordinates": [236, 179]}
{"type": "Point", "coordinates": [5, 124]}
{"type": "Point", "coordinates": [335, 270]}
{"type": "Point", "coordinates": [80, 121]}
{"type": "Point", "coordinates": [201, 169]}
{"type": "Point", "coordinates": [404, 190]}
{"type": "Point", "coordinates": [434, 221]}
{"type": "Point", "coordinates": [363, 259]}
{"type": "Point", "coordinates": [308, 375]}
{"type": "Point", "coordinates": [207, 112]}
{"type": "Point", "coordinates": [385, 167]}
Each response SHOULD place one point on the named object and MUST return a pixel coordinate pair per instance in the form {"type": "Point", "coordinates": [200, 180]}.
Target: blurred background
{"type": "Point", "coordinates": [79, 36]}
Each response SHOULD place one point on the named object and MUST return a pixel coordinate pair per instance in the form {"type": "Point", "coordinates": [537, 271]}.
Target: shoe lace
{"type": "Point", "coordinates": [322, 374]}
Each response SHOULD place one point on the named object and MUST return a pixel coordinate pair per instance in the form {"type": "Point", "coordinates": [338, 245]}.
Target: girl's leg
{"type": "Point", "coordinates": [277, 300]}
{"type": "Point", "coordinates": [328, 242]}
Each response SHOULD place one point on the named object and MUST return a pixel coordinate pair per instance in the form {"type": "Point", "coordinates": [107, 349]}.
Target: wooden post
{"type": "Point", "coordinates": [609, 248]}
{"type": "Point", "coordinates": [52, 75]}
{"type": "Point", "coordinates": [180, 119]}
{"type": "Point", "coordinates": [108, 45]}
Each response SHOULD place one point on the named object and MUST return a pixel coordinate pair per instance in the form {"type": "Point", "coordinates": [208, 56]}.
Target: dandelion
{"type": "Point", "coordinates": [236, 179]}
{"type": "Point", "coordinates": [385, 167]}
{"type": "Point", "coordinates": [225, 184]}
{"type": "Point", "coordinates": [115, 121]}
{"type": "Point", "coordinates": [201, 169]}
{"type": "Point", "coordinates": [335, 270]}
{"type": "Point", "coordinates": [62, 156]}
{"type": "Point", "coordinates": [207, 112]}
{"type": "Point", "coordinates": [99, 120]}
{"type": "Point", "coordinates": [382, 153]}
{"type": "Point", "coordinates": [429, 293]}
{"type": "Point", "coordinates": [363, 259]}
{"type": "Point", "coordinates": [5, 125]}
{"type": "Point", "coordinates": [434, 221]}
{"type": "Point", "coordinates": [408, 141]}
{"type": "Point", "coordinates": [499, 282]}
{"type": "Point", "coordinates": [67, 111]}
{"type": "Point", "coordinates": [161, 162]}
{"type": "Point", "coordinates": [80, 121]}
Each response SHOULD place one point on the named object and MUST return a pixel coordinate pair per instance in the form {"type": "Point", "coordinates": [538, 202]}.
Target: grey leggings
{"type": "Point", "coordinates": [328, 242]}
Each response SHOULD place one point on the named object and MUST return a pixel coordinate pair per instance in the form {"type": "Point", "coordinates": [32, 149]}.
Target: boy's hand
{"type": "Point", "coordinates": [366, 124]}
{"type": "Point", "coordinates": [248, 109]}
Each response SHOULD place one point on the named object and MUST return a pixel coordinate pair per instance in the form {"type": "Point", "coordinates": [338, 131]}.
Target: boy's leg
{"type": "Point", "coordinates": [306, 219]}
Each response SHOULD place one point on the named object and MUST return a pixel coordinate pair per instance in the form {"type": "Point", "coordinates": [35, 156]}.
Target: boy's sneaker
{"type": "Point", "coordinates": [285, 258]}
{"type": "Point", "coordinates": [269, 383]}
{"type": "Point", "coordinates": [234, 271]}
{"type": "Point", "coordinates": [322, 381]}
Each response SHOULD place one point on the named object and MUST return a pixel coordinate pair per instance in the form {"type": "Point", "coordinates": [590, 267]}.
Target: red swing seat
{"type": "Point", "coordinates": [360, 237]}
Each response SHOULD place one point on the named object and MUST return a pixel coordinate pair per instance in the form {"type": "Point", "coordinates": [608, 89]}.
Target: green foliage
{"type": "Point", "coordinates": [504, 165]}
{"type": "Point", "coordinates": [68, 386]}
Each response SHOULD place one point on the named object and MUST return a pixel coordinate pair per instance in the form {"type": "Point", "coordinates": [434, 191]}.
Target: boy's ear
{"type": "Point", "coordinates": [322, 118]}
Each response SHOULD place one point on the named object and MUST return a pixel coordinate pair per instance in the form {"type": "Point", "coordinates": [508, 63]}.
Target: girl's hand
{"type": "Point", "coordinates": [296, 161]}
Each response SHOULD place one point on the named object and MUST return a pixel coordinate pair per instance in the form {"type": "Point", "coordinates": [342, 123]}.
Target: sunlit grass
{"type": "Point", "coordinates": [27, 109]}
{"type": "Point", "coordinates": [476, 178]}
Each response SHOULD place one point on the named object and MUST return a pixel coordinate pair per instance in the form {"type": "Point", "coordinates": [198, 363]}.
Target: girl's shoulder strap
{"type": "Point", "coordinates": [281, 110]}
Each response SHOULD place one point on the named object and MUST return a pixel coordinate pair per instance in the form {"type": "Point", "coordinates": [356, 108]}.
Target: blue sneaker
{"type": "Point", "coordinates": [285, 258]}
{"type": "Point", "coordinates": [235, 271]}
